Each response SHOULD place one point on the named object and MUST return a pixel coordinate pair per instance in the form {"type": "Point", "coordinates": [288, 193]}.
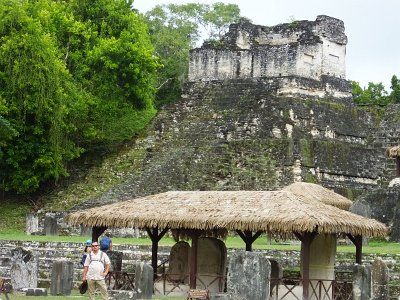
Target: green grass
{"type": "Point", "coordinates": [233, 242]}
{"type": "Point", "coordinates": [15, 211]}
{"type": "Point", "coordinates": [74, 295]}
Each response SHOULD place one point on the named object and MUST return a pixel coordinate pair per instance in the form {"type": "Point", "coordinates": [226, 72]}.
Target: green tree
{"type": "Point", "coordinates": [33, 86]}
{"type": "Point", "coordinates": [112, 57]}
{"type": "Point", "coordinates": [74, 76]}
{"type": "Point", "coordinates": [395, 87]}
{"type": "Point", "coordinates": [374, 94]}
{"type": "Point", "coordinates": [175, 29]}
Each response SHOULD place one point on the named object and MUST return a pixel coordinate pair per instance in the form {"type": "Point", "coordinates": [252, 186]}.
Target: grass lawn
{"type": "Point", "coordinates": [233, 242]}
{"type": "Point", "coordinates": [74, 295]}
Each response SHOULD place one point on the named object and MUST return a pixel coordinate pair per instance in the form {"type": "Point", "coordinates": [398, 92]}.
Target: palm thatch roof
{"type": "Point", "coordinates": [279, 212]}
{"type": "Point", "coordinates": [317, 192]}
{"type": "Point", "coordinates": [393, 151]}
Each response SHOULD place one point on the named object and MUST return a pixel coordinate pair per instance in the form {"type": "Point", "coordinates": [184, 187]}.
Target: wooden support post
{"type": "Point", "coordinates": [193, 259]}
{"type": "Point", "coordinates": [357, 241]}
{"type": "Point", "coordinates": [306, 239]}
{"type": "Point", "coordinates": [155, 237]}
{"type": "Point", "coordinates": [97, 232]}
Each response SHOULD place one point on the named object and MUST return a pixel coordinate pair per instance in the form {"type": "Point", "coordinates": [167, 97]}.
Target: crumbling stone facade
{"type": "Point", "coordinates": [310, 50]}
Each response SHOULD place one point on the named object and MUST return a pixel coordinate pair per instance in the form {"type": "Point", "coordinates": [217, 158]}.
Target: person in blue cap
{"type": "Point", "coordinates": [86, 250]}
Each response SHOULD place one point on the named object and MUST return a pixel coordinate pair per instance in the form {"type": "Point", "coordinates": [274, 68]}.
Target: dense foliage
{"type": "Point", "coordinates": [175, 29]}
{"type": "Point", "coordinates": [74, 76]}
{"type": "Point", "coordinates": [375, 93]}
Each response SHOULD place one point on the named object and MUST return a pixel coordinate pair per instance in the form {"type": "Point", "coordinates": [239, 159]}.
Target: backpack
{"type": "Point", "coordinates": [100, 259]}
{"type": "Point", "coordinates": [105, 243]}
{"type": "Point", "coordinates": [83, 259]}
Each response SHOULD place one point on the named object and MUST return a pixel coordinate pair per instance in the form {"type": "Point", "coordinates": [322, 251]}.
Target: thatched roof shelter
{"type": "Point", "coordinates": [393, 151]}
{"type": "Point", "coordinates": [317, 192]}
{"type": "Point", "coordinates": [280, 212]}
{"type": "Point", "coordinates": [246, 212]}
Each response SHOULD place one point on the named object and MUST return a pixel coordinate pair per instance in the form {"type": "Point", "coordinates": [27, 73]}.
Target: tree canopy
{"type": "Point", "coordinates": [175, 29]}
{"type": "Point", "coordinates": [375, 93]}
{"type": "Point", "coordinates": [73, 75]}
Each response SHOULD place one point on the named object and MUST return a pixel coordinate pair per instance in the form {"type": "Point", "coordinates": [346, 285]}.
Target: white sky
{"type": "Point", "coordinates": [372, 28]}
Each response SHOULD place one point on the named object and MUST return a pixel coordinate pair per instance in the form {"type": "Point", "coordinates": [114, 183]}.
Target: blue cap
{"type": "Point", "coordinates": [89, 243]}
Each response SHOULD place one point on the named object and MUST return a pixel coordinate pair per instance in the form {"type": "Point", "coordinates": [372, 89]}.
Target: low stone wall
{"type": "Point", "coordinates": [50, 251]}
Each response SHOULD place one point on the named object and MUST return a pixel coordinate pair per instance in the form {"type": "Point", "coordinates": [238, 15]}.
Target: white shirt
{"type": "Point", "coordinates": [96, 267]}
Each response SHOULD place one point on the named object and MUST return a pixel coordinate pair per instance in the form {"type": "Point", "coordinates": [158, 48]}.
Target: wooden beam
{"type": "Point", "coordinates": [97, 232]}
{"type": "Point", "coordinates": [155, 237]}
{"type": "Point", "coordinates": [306, 239]}
{"type": "Point", "coordinates": [248, 237]}
{"type": "Point", "coordinates": [193, 259]}
{"type": "Point", "coordinates": [357, 241]}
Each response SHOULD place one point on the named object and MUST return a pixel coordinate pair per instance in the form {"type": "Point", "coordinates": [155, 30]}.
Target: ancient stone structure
{"type": "Point", "coordinates": [380, 280]}
{"type": "Point", "coordinates": [211, 263]}
{"type": "Point", "coordinates": [144, 280]}
{"type": "Point", "coordinates": [361, 282]}
{"type": "Point", "coordinates": [179, 262]}
{"type": "Point", "coordinates": [263, 108]}
{"type": "Point", "coordinates": [24, 268]}
{"type": "Point", "coordinates": [62, 275]}
{"type": "Point", "coordinates": [248, 276]}
{"type": "Point", "coordinates": [310, 50]}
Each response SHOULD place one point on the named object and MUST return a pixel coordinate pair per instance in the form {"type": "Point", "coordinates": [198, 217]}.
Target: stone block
{"type": "Point", "coordinates": [144, 280]}
{"type": "Point", "coordinates": [361, 282]}
{"type": "Point", "coordinates": [116, 260]}
{"type": "Point", "coordinates": [62, 274]}
{"type": "Point", "coordinates": [122, 295]}
{"type": "Point", "coordinates": [36, 292]}
{"type": "Point", "coordinates": [32, 223]}
{"type": "Point", "coordinates": [50, 225]}
{"type": "Point", "coordinates": [249, 276]}
{"type": "Point", "coordinates": [380, 280]}
{"type": "Point", "coordinates": [24, 268]}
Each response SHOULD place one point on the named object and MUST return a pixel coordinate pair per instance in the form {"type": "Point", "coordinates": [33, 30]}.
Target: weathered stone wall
{"type": "Point", "coordinates": [302, 48]}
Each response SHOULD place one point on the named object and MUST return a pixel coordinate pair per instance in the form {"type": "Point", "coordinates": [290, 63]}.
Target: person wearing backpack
{"type": "Point", "coordinates": [95, 269]}
{"type": "Point", "coordinates": [86, 251]}
{"type": "Point", "coordinates": [106, 242]}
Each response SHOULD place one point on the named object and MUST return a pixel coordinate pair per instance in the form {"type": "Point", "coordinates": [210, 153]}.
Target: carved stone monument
{"type": "Point", "coordinates": [24, 268]}
{"type": "Point", "coordinates": [380, 280]}
{"type": "Point", "coordinates": [144, 280]}
{"type": "Point", "coordinates": [32, 223]}
{"type": "Point", "coordinates": [116, 260]}
{"type": "Point", "coordinates": [249, 276]}
{"type": "Point", "coordinates": [62, 274]}
{"type": "Point", "coordinates": [361, 282]}
{"type": "Point", "coordinates": [50, 225]}
{"type": "Point", "coordinates": [211, 263]}
{"type": "Point", "coordinates": [178, 269]}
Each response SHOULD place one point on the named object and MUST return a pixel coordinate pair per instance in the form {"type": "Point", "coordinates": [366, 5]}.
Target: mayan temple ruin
{"type": "Point", "coordinates": [304, 58]}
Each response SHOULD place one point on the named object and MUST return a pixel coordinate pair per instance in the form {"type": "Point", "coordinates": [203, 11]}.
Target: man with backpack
{"type": "Point", "coordinates": [95, 269]}
{"type": "Point", "coordinates": [106, 242]}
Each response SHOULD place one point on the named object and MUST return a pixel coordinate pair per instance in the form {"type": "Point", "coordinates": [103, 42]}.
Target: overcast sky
{"type": "Point", "coordinates": [372, 28]}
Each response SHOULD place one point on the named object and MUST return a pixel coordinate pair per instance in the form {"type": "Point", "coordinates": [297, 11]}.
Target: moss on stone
{"type": "Point", "coordinates": [310, 178]}
{"type": "Point", "coordinates": [307, 153]}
